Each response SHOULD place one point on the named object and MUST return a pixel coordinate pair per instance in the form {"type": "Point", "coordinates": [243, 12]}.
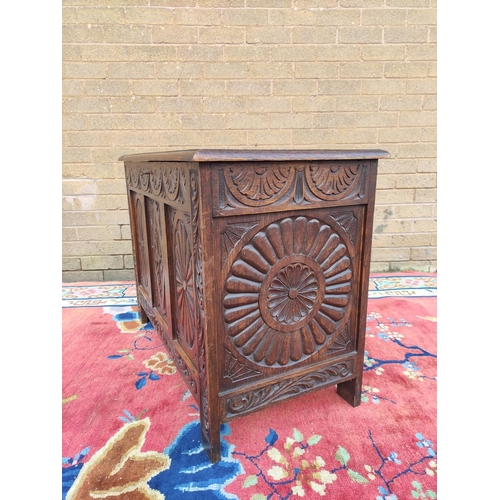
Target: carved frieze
{"type": "Point", "coordinates": [253, 399]}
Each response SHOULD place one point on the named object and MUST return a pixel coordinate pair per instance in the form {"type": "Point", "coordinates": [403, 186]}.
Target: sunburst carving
{"type": "Point", "coordinates": [288, 291]}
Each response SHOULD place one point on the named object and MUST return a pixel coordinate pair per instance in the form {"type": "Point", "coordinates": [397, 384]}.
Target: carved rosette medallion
{"type": "Point", "coordinates": [259, 186]}
{"type": "Point", "coordinates": [287, 292]}
{"type": "Point", "coordinates": [184, 285]}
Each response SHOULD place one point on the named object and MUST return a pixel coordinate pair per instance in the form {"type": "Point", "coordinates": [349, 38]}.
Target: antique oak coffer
{"type": "Point", "coordinates": [253, 265]}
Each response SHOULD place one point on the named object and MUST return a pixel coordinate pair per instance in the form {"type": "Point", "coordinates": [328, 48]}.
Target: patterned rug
{"type": "Point", "coordinates": [131, 429]}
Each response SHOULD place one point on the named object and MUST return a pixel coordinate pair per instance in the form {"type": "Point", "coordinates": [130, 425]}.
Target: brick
{"type": "Point", "coordinates": [157, 121]}
{"type": "Point", "coordinates": [338, 53]}
{"type": "Point", "coordinates": [181, 138]}
{"type": "Point", "coordinates": [172, 3]}
{"type": "Point", "coordinates": [377, 119]}
{"type": "Point", "coordinates": [336, 87]}
{"type": "Point", "coordinates": [329, 120]}
{"type": "Point", "coordinates": [394, 196]}
{"type": "Point", "coordinates": [313, 137]}
{"type": "Point", "coordinates": [429, 134]}
{"type": "Point", "coordinates": [71, 53]}
{"type": "Point", "coordinates": [432, 35]}
{"type": "Point", "coordinates": [197, 17]}
{"type": "Point", "coordinates": [126, 233]}
{"type": "Point", "coordinates": [247, 121]}
{"type": "Point", "coordinates": [81, 70]}
{"type": "Point", "coordinates": [152, 53]}
{"type": "Point", "coordinates": [132, 104]}
{"type": "Point", "coordinates": [88, 138]}
{"type": "Point", "coordinates": [202, 87]}
{"type": "Point", "coordinates": [221, 3]}
{"type": "Point", "coordinates": [385, 52]}
{"type": "Point", "coordinates": [427, 86]}
{"type": "Point", "coordinates": [357, 103]}
{"type": "Point", "coordinates": [223, 104]}
{"type": "Point", "coordinates": [73, 87]}
{"type": "Point", "coordinates": [362, 3]}
{"type": "Point", "coordinates": [85, 105]}
{"type": "Point", "coordinates": [381, 240]}
{"type": "Point", "coordinates": [293, 53]}
{"type": "Point", "coordinates": [401, 103]}
{"type": "Point", "coordinates": [290, 121]}
{"type": "Point", "coordinates": [432, 69]}
{"type": "Point", "coordinates": [427, 52]}
{"type": "Point", "coordinates": [81, 276]}
{"type": "Point", "coordinates": [82, 34]}
{"type": "Point", "coordinates": [268, 104]}
{"type": "Point", "coordinates": [314, 4]}
{"type": "Point", "coordinates": [314, 35]}
{"type": "Point", "coordinates": [99, 233]}
{"type": "Point", "coordinates": [292, 17]}
{"type": "Point", "coordinates": [361, 70]}
{"type": "Point", "coordinates": [75, 171]}
{"type": "Point", "coordinates": [75, 122]}
{"type": "Point", "coordinates": [99, 15]}
{"type": "Point", "coordinates": [246, 53]}
{"type": "Point", "coordinates": [156, 88]}
{"type": "Point", "coordinates": [179, 69]}
{"type": "Point", "coordinates": [226, 138]}
{"type": "Point", "coordinates": [406, 34]}
{"type": "Point", "coordinates": [386, 181]}
{"type": "Point", "coordinates": [225, 70]}
{"type": "Point", "coordinates": [119, 275]}
{"type": "Point", "coordinates": [127, 34]}
{"type": "Point", "coordinates": [269, 70]}
{"type": "Point", "coordinates": [391, 254]}
{"type": "Point", "coordinates": [175, 34]}
{"type": "Point", "coordinates": [179, 104]}
{"type": "Point", "coordinates": [356, 136]}
{"type": "Point", "coordinates": [101, 248]}
{"type": "Point", "coordinates": [244, 17]}
{"type": "Point", "coordinates": [116, 217]}
{"type": "Point", "coordinates": [417, 119]}
{"type": "Point", "coordinates": [72, 218]}
{"type": "Point", "coordinates": [129, 261]}
{"type": "Point", "coordinates": [265, 3]}
{"type": "Point", "coordinates": [248, 87]}
{"type": "Point", "coordinates": [107, 87]}
{"type": "Point", "coordinates": [396, 165]}
{"type": "Point", "coordinates": [318, 70]}
{"type": "Point", "coordinates": [379, 267]}
{"type": "Point", "coordinates": [422, 16]}
{"type": "Point", "coordinates": [136, 70]}
{"type": "Point", "coordinates": [399, 135]}
{"type": "Point", "coordinates": [416, 151]}
{"type": "Point", "coordinates": [69, 264]}
{"type": "Point", "coordinates": [102, 262]}
{"type": "Point", "coordinates": [104, 52]}
{"type": "Point", "coordinates": [313, 103]}
{"type": "Point", "coordinates": [294, 87]}
{"type": "Point", "coordinates": [202, 121]}
{"type": "Point", "coordinates": [425, 195]}
{"type": "Point", "coordinates": [199, 53]}
{"type": "Point", "coordinates": [269, 137]}
{"type": "Point", "coordinates": [111, 122]}
{"type": "Point", "coordinates": [424, 226]}
{"type": "Point", "coordinates": [406, 70]}
{"type": "Point", "coordinates": [381, 87]}
{"type": "Point", "coordinates": [416, 181]}
{"type": "Point", "coordinates": [413, 211]}
{"type": "Point", "coordinates": [144, 139]}
{"type": "Point", "coordinates": [407, 3]}
{"type": "Point", "coordinates": [266, 34]}
{"type": "Point", "coordinates": [69, 234]}
{"type": "Point", "coordinates": [148, 15]}
{"type": "Point", "coordinates": [360, 35]}
{"type": "Point", "coordinates": [221, 35]}
{"type": "Point", "coordinates": [68, 15]}
{"type": "Point", "coordinates": [76, 155]}
{"type": "Point", "coordinates": [390, 226]}
{"type": "Point", "coordinates": [383, 17]}
{"type": "Point", "coordinates": [337, 17]}
{"type": "Point", "coordinates": [427, 166]}
{"type": "Point", "coordinates": [423, 253]}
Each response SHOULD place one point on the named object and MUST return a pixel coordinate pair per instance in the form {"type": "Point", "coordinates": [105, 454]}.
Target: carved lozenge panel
{"type": "Point", "coordinates": [288, 292]}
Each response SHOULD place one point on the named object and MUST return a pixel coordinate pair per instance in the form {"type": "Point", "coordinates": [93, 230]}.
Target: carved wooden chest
{"type": "Point", "coordinates": [253, 268]}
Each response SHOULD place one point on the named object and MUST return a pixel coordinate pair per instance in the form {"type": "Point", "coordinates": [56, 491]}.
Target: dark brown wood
{"type": "Point", "coordinates": [253, 268]}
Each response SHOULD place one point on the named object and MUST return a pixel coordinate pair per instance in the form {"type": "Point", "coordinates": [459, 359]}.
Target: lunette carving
{"type": "Point", "coordinates": [235, 370]}
{"type": "Point", "coordinates": [272, 393]}
{"type": "Point", "coordinates": [232, 234]}
{"type": "Point", "coordinates": [349, 223]}
{"type": "Point", "coordinates": [341, 343]}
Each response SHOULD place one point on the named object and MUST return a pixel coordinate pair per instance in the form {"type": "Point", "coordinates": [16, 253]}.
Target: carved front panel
{"type": "Point", "coordinates": [288, 294]}
{"type": "Point", "coordinates": [266, 187]}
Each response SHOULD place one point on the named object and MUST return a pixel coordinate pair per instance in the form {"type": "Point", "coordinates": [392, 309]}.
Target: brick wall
{"type": "Point", "coordinates": [149, 75]}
